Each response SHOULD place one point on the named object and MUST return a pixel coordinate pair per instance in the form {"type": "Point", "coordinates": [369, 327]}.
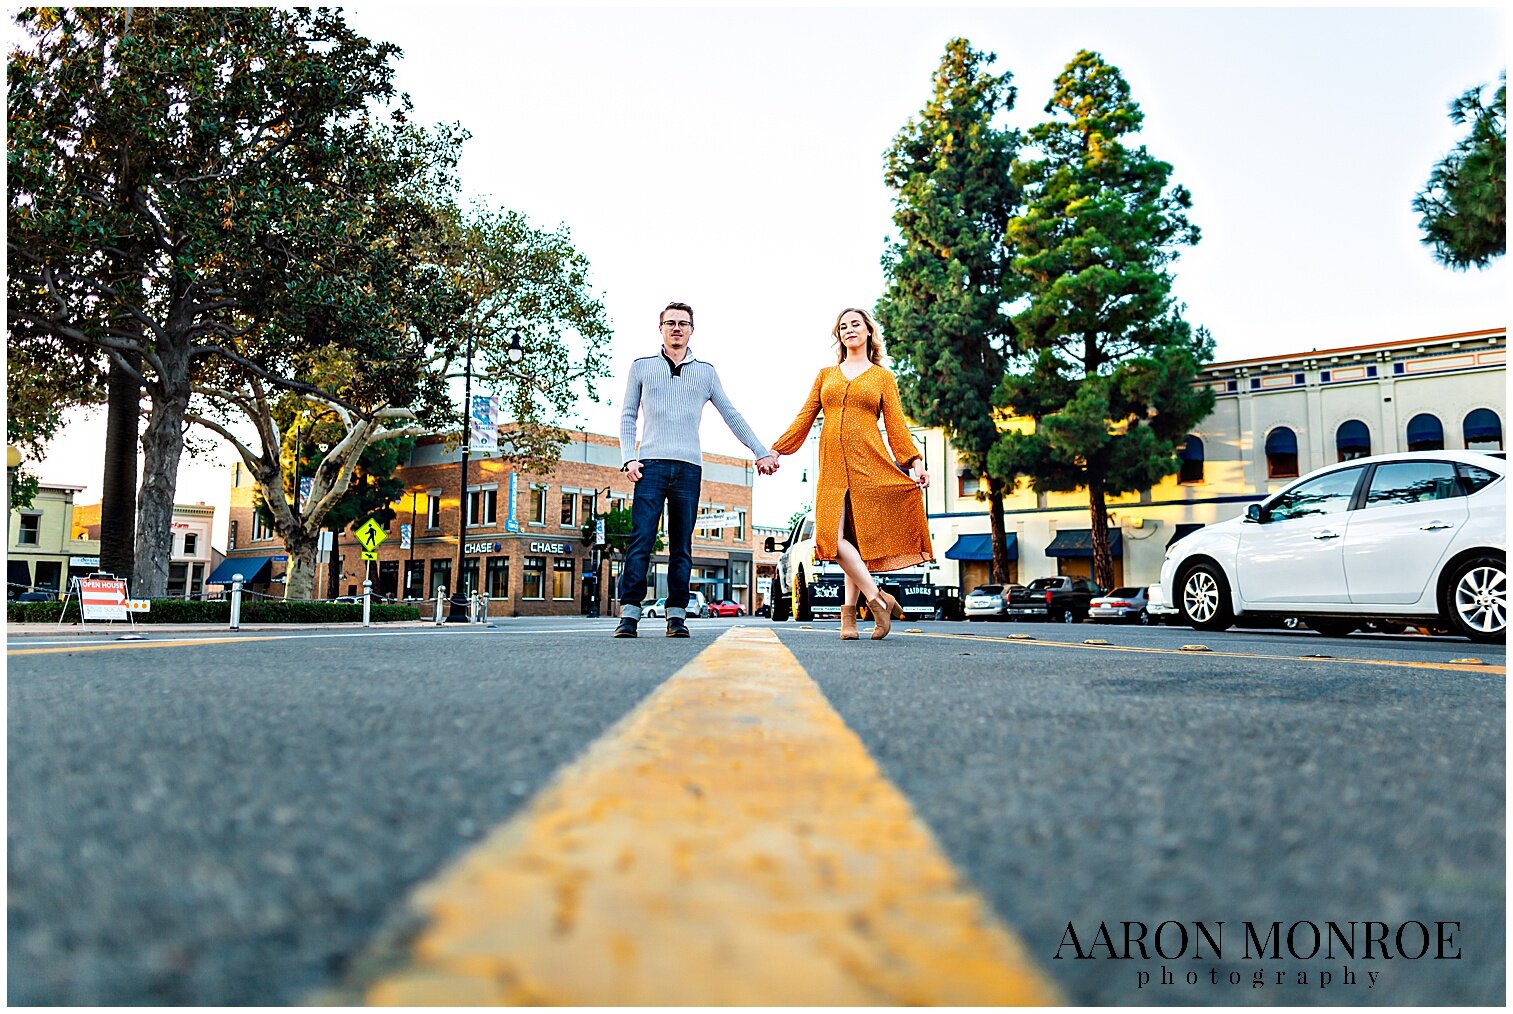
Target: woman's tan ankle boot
{"type": "Point", "coordinates": [848, 624]}
{"type": "Point", "coordinates": [882, 615]}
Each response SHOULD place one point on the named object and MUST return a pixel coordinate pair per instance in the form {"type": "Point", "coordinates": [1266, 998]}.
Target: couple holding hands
{"type": "Point", "coordinates": [869, 514]}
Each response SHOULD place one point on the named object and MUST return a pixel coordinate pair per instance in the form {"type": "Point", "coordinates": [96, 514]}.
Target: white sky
{"type": "Point", "coordinates": [732, 159]}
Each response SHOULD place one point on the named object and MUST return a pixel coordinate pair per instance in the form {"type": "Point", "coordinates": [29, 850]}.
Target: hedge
{"type": "Point", "coordinates": [191, 611]}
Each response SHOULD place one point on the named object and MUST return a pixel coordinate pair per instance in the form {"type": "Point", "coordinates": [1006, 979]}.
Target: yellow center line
{"type": "Point", "coordinates": [1493, 670]}
{"type": "Point", "coordinates": [143, 644]}
{"type": "Point", "coordinates": [730, 841]}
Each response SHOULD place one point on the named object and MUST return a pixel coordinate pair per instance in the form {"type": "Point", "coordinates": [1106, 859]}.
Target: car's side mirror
{"type": "Point", "coordinates": [770, 545]}
{"type": "Point", "coordinates": [1257, 513]}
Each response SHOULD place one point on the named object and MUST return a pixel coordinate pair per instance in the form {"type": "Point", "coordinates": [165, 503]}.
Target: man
{"type": "Point", "coordinates": [669, 391]}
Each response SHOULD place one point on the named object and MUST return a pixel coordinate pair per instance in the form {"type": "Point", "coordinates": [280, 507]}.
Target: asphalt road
{"type": "Point", "coordinates": [230, 823]}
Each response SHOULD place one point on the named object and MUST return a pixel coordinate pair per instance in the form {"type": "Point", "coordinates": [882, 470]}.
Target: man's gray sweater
{"type": "Point", "coordinates": [670, 397]}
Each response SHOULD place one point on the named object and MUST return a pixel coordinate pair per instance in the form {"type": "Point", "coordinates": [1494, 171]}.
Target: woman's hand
{"type": "Point", "coordinates": [919, 475]}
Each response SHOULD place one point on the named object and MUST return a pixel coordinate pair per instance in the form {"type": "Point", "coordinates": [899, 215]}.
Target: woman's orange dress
{"type": "Point", "coordinates": [887, 508]}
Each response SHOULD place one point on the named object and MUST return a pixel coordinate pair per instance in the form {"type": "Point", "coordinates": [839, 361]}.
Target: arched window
{"type": "Point", "coordinates": [1483, 430]}
{"type": "Point", "coordinates": [1352, 440]}
{"type": "Point", "coordinates": [1192, 461]}
{"type": "Point", "coordinates": [1281, 453]}
{"type": "Point", "coordinates": [1425, 433]}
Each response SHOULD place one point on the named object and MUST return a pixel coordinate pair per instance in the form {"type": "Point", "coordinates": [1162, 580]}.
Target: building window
{"type": "Point", "coordinates": [1192, 462]}
{"type": "Point", "coordinates": [483, 506]}
{"type": "Point", "coordinates": [1482, 430]}
{"type": "Point", "coordinates": [1281, 454]}
{"type": "Point", "coordinates": [569, 510]}
{"type": "Point", "coordinates": [968, 485]}
{"type": "Point", "coordinates": [538, 506]}
{"type": "Point", "coordinates": [30, 532]}
{"type": "Point", "coordinates": [388, 578]}
{"type": "Point", "coordinates": [498, 574]}
{"type": "Point", "coordinates": [535, 578]}
{"type": "Point", "coordinates": [178, 574]}
{"type": "Point", "coordinates": [1425, 433]}
{"type": "Point", "coordinates": [415, 579]}
{"type": "Point", "coordinates": [586, 505]}
{"type": "Point", "coordinates": [469, 582]}
{"type": "Point", "coordinates": [707, 533]}
{"type": "Point", "coordinates": [433, 509]}
{"type": "Point", "coordinates": [191, 543]}
{"type": "Point", "coordinates": [562, 578]}
{"type": "Point", "coordinates": [261, 530]}
{"type": "Point", "coordinates": [49, 575]}
{"type": "Point", "coordinates": [740, 526]}
{"type": "Point", "coordinates": [441, 576]}
{"type": "Point", "coordinates": [617, 503]}
{"type": "Point", "coordinates": [1352, 440]}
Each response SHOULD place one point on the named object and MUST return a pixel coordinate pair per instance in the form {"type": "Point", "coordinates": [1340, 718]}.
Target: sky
{"type": "Point", "coordinates": [732, 159]}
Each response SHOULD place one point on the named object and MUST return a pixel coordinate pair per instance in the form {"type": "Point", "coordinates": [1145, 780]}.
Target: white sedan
{"type": "Point", "coordinates": [1418, 536]}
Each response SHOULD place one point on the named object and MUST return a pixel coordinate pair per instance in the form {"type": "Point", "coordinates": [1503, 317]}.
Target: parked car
{"type": "Point", "coordinates": [697, 607]}
{"type": "Point", "coordinates": [1159, 608]}
{"type": "Point", "coordinates": [1122, 605]}
{"type": "Point", "coordinates": [727, 607]}
{"type": "Point", "coordinates": [1063, 599]}
{"type": "Point", "coordinates": [1415, 538]}
{"type": "Point", "coordinates": [37, 596]}
{"type": "Point", "coordinates": [989, 602]}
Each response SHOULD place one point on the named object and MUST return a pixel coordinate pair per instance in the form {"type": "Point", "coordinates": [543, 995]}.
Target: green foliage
{"type": "Point", "coordinates": [1464, 207]}
{"type": "Point", "coordinates": [948, 274]}
{"type": "Point", "coordinates": [1107, 363]}
{"type": "Point", "coordinates": [799, 515]}
{"type": "Point", "coordinates": [617, 528]}
{"type": "Point", "coordinates": [219, 612]}
{"type": "Point", "coordinates": [22, 487]}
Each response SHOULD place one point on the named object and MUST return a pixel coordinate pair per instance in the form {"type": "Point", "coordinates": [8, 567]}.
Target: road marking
{"type": "Point", "coordinates": [1019, 641]}
{"type": "Point", "coordinates": [730, 841]}
{"type": "Point", "coordinates": [142, 644]}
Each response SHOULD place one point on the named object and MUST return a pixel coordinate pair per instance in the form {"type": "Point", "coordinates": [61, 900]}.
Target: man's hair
{"type": "Point", "coordinates": [676, 306]}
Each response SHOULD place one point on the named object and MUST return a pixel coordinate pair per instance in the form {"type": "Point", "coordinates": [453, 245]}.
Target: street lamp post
{"type": "Point", "coordinates": [593, 602]}
{"type": "Point", "coordinates": [459, 607]}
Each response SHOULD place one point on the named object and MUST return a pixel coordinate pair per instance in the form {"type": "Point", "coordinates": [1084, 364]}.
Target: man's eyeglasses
{"type": "Point", "coordinates": [684, 324]}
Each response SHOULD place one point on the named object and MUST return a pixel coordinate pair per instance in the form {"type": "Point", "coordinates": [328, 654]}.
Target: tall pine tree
{"type": "Point", "coordinates": [1464, 207]}
{"type": "Point", "coordinates": [948, 275]}
{"type": "Point", "coordinates": [1107, 363]}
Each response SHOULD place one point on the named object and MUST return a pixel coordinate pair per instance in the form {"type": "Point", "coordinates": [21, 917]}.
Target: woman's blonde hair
{"type": "Point", "coordinates": [875, 349]}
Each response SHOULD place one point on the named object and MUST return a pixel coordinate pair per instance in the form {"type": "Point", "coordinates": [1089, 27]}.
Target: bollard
{"type": "Point", "coordinates": [367, 601]}
{"type": "Point", "coordinates": [474, 602]}
{"type": "Point", "coordinates": [483, 608]}
{"type": "Point", "coordinates": [439, 596]}
{"type": "Point", "coordinates": [236, 602]}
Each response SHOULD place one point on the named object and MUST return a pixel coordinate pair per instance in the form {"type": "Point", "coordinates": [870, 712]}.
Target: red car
{"type": "Point", "coordinates": [727, 607]}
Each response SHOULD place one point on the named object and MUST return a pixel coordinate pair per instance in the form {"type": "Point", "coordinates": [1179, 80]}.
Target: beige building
{"type": "Point", "coordinates": [1276, 417]}
{"type": "Point", "coordinates": [38, 544]}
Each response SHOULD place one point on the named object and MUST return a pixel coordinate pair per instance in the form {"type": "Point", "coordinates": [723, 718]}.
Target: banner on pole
{"type": "Point", "coordinates": [306, 483]}
{"type": "Point", "coordinates": [404, 536]}
{"type": "Point", "coordinates": [510, 524]}
{"type": "Point", "coordinates": [483, 425]}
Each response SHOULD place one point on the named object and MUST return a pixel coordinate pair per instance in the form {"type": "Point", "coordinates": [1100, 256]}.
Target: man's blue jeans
{"type": "Point", "coordinates": [676, 484]}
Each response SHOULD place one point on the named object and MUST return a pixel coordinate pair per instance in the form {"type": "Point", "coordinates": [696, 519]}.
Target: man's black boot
{"type": "Point", "coordinates": [676, 627]}
{"type": "Point", "coordinates": [626, 628]}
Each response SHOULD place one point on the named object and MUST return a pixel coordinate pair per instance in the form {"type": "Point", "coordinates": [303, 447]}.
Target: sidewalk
{"type": "Point", "coordinates": [102, 629]}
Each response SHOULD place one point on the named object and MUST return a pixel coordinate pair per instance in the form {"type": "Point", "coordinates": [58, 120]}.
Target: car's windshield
{"type": "Point", "coordinates": [1124, 593]}
{"type": "Point", "coordinates": [1044, 582]}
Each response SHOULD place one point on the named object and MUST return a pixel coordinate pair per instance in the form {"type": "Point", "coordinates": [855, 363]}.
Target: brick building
{"type": "Point", "coordinates": [524, 542]}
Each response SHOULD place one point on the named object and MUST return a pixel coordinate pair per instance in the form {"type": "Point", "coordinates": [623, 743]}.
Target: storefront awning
{"type": "Point", "coordinates": [1182, 532]}
{"type": "Point", "coordinates": [252, 569]}
{"type": "Point", "coordinates": [980, 547]}
{"type": "Point", "coordinates": [1078, 542]}
{"type": "Point", "coordinates": [18, 575]}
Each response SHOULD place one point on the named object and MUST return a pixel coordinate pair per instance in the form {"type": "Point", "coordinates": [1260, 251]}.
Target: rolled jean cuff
{"type": "Point", "coordinates": [630, 612]}
{"type": "Point", "coordinates": [675, 611]}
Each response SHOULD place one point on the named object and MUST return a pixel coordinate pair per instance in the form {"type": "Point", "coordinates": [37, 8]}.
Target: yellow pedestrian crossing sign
{"type": "Point", "coordinates": [370, 533]}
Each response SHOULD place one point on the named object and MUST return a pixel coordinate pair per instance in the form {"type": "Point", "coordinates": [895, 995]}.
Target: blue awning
{"type": "Point", "coordinates": [1281, 441]}
{"type": "Point", "coordinates": [980, 547]}
{"type": "Point", "coordinates": [250, 567]}
{"type": "Point", "coordinates": [1483, 424]}
{"type": "Point", "coordinates": [1079, 542]}
{"type": "Point", "coordinates": [1425, 429]}
{"type": "Point", "coordinates": [1352, 436]}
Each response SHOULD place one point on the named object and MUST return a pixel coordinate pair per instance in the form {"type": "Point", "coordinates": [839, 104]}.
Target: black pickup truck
{"type": "Point", "coordinates": [1064, 599]}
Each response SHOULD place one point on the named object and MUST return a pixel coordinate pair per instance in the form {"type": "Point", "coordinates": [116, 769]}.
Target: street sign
{"type": "Point", "coordinates": [102, 599]}
{"type": "Point", "coordinates": [371, 535]}
{"type": "Point", "coordinates": [370, 554]}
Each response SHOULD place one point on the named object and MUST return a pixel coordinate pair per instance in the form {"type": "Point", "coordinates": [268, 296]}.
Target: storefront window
{"type": "Point", "coordinates": [469, 575]}
{"type": "Point", "coordinates": [498, 574]}
{"type": "Point", "coordinates": [177, 572]}
{"type": "Point", "coordinates": [415, 579]}
{"type": "Point", "coordinates": [388, 578]}
{"type": "Point", "coordinates": [562, 578]}
{"type": "Point", "coordinates": [49, 575]}
{"type": "Point", "coordinates": [535, 578]}
{"type": "Point", "coordinates": [441, 576]}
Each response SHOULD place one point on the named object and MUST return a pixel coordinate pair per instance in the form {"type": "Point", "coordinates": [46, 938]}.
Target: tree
{"type": "Point", "coordinates": [170, 190]}
{"type": "Point", "coordinates": [1107, 363]}
{"type": "Point", "coordinates": [1464, 207]}
{"type": "Point", "coordinates": [948, 275]}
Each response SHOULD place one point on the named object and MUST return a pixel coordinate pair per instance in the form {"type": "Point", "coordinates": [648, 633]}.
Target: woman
{"type": "Point", "coordinates": [868, 514]}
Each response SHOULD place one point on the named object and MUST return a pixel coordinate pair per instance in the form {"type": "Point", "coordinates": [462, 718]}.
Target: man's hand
{"type": "Point", "coordinates": [633, 469]}
{"type": "Point", "coordinates": [767, 465]}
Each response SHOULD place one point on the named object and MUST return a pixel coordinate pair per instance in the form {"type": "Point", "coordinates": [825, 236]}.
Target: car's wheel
{"type": "Point", "coordinates": [1330, 626]}
{"type": "Point", "coordinates": [1204, 598]}
{"type": "Point", "coordinates": [1144, 619]}
{"type": "Point", "coordinates": [1476, 597]}
{"type": "Point", "coordinates": [803, 609]}
{"type": "Point", "coordinates": [1067, 615]}
{"type": "Point", "coordinates": [780, 606]}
